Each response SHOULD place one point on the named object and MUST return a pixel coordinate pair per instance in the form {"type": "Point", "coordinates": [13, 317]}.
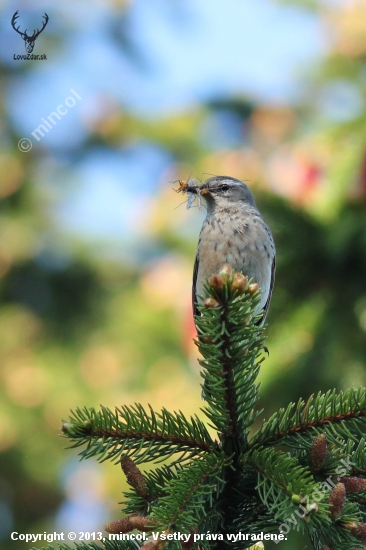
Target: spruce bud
{"type": "Point", "coordinates": [227, 270]}
{"type": "Point", "coordinates": [189, 544]}
{"type": "Point", "coordinates": [152, 545]}
{"type": "Point", "coordinates": [252, 289]}
{"type": "Point", "coordinates": [353, 484]}
{"type": "Point", "coordinates": [312, 508]}
{"type": "Point", "coordinates": [336, 501]}
{"type": "Point", "coordinates": [119, 526]}
{"type": "Point", "coordinates": [358, 530]}
{"type": "Point", "coordinates": [206, 339]}
{"type": "Point", "coordinates": [318, 452]}
{"type": "Point", "coordinates": [134, 476]}
{"type": "Point", "coordinates": [125, 525]}
{"type": "Point", "coordinates": [217, 282]}
{"type": "Point", "coordinates": [68, 428]}
{"type": "Point", "coordinates": [296, 499]}
{"type": "Point", "coordinates": [211, 302]}
{"type": "Point", "coordinates": [239, 283]}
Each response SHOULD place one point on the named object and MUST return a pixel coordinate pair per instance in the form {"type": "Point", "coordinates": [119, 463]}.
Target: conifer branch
{"type": "Point", "coordinates": [346, 410]}
{"type": "Point", "coordinates": [132, 431]}
{"type": "Point", "coordinates": [358, 459]}
{"type": "Point", "coordinates": [283, 484]}
{"type": "Point", "coordinates": [230, 342]}
{"type": "Point", "coordinates": [199, 482]}
{"type": "Point", "coordinates": [156, 481]}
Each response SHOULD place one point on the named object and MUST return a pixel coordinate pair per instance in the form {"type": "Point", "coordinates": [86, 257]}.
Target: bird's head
{"type": "Point", "coordinates": [223, 192]}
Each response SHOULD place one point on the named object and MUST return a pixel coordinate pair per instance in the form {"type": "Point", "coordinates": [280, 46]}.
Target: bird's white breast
{"type": "Point", "coordinates": [241, 239]}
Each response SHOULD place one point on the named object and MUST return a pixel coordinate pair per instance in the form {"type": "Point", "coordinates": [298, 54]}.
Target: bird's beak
{"type": "Point", "coordinates": [192, 189]}
{"type": "Point", "coordinates": [197, 189]}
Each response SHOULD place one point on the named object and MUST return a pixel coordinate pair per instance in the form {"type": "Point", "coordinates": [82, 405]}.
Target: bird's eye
{"type": "Point", "coordinates": [224, 187]}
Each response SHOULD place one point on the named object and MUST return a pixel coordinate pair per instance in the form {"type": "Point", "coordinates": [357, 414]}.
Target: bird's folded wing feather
{"type": "Point", "coordinates": [194, 294]}
{"type": "Point", "coordinates": [266, 305]}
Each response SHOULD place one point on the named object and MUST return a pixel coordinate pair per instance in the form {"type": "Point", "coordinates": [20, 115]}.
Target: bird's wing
{"type": "Point", "coordinates": [194, 294]}
{"type": "Point", "coordinates": [266, 305]}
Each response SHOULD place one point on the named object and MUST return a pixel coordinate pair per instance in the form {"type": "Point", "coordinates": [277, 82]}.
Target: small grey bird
{"type": "Point", "coordinates": [235, 233]}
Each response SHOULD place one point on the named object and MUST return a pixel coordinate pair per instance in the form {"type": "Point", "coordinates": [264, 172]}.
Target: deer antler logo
{"type": "Point", "coordinates": [28, 40]}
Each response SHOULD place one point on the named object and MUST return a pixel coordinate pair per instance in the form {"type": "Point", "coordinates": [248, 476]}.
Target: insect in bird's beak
{"type": "Point", "coordinates": [192, 189]}
{"type": "Point", "coordinates": [182, 186]}
{"type": "Point", "coordinates": [197, 189]}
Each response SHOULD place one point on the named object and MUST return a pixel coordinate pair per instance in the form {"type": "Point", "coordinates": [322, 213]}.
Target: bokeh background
{"type": "Point", "coordinates": [96, 249]}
